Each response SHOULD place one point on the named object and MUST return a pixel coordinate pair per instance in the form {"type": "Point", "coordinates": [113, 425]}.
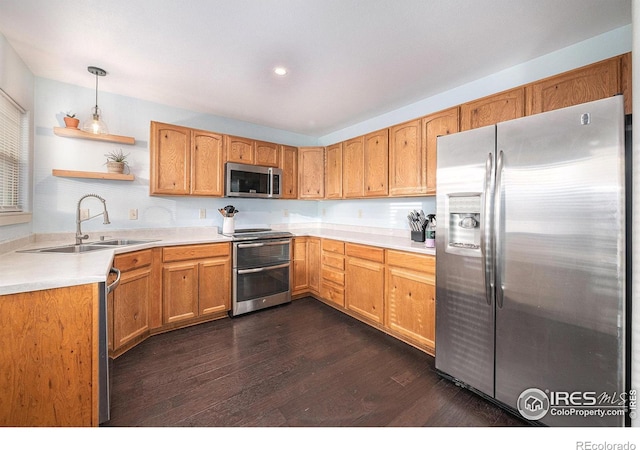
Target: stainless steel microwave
{"type": "Point", "coordinates": [245, 180]}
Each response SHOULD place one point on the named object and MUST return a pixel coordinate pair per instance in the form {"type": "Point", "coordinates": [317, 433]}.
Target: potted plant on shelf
{"type": "Point", "coordinates": [116, 161]}
{"type": "Point", "coordinates": [71, 121]}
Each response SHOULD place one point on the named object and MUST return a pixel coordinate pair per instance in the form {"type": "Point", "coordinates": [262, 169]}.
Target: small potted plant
{"type": "Point", "coordinates": [116, 161]}
{"type": "Point", "coordinates": [71, 121]}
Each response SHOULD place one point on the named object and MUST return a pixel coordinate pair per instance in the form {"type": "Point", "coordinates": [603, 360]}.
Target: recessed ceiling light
{"type": "Point", "coordinates": [281, 71]}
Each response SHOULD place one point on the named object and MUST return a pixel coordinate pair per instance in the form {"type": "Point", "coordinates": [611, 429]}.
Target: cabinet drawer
{"type": "Point", "coordinates": [331, 260]}
{"type": "Point", "coordinates": [365, 252]}
{"type": "Point", "coordinates": [188, 252]}
{"type": "Point", "coordinates": [133, 260]}
{"type": "Point", "coordinates": [415, 261]}
{"type": "Point", "coordinates": [329, 245]}
{"type": "Point", "coordinates": [332, 293]}
{"type": "Point", "coordinates": [334, 276]}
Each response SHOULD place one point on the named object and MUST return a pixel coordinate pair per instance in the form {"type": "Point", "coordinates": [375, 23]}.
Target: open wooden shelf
{"type": "Point", "coordinates": [94, 175]}
{"type": "Point", "coordinates": [79, 134]}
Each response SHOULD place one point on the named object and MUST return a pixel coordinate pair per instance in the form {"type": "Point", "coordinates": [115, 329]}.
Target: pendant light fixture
{"type": "Point", "coordinates": [95, 124]}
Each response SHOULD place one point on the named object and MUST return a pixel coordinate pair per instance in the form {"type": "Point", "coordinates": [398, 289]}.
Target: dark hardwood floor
{"type": "Point", "coordinates": [300, 364]}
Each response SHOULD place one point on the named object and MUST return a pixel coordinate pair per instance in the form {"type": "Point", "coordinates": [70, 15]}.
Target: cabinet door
{"type": "Point", "coordinates": [214, 286]}
{"type": "Point", "coordinates": [311, 172]}
{"type": "Point", "coordinates": [407, 160]}
{"type": "Point", "coordinates": [131, 301]}
{"type": "Point", "coordinates": [333, 171]}
{"type": "Point", "coordinates": [434, 125]}
{"type": "Point", "coordinates": [239, 150]}
{"type": "Point", "coordinates": [493, 109]}
{"type": "Point", "coordinates": [300, 275]}
{"type": "Point", "coordinates": [411, 304]}
{"type": "Point", "coordinates": [207, 164]}
{"type": "Point", "coordinates": [376, 164]}
{"type": "Point", "coordinates": [364, 288]}
{"type": "Point", "coordinates": [170, 151]}
{"type": "Point", "coordinates": [353, 168]}
{"type": "Point", "coordinates": [313, 264]}
{"type": "Point", "coordinates": [289, 166]}
{"type": "Point", "coordinates": [625, 82]}
{"type": "Point", "coordinates": [589, 83]}
{"type": "Point", "coordinates": [180, 291]}
{"type": "Point", "coordinates": [266, 154]}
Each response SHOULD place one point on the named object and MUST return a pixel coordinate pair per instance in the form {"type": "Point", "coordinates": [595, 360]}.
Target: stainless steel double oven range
{"type": "Point", "coordinates": [261, 264]}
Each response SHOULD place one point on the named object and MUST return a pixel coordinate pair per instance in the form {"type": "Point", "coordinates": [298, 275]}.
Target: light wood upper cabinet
{"type": "Point", "coordinates": [493, 109]}
{"type": "Point", "coordinates": [289, 166]}
{"type": "Point", "coordinates": [311, 172]}
{"type": "Point", "coordinates": [376, 164]}
{"type": "Point", "coordinates": [353, 168]}
{"type": "Point", "coordinates": [625, 81]}
{"type": "Point", "coordinates": [185, 161]}
{"type": "Point", "coordinates": [589, 83]}
{"type": "Point", "coordinates": [207, 164]}
{"type": "Point", "coordinates": [239, 149]}
{"type": "Point", "coordinates": [434, 125]}
{"type": "Point", "coordinates": [170, 150]}
{"type": "Point", "coordinates": [333, 171]}
{"type": "Point", "coordinates": [266, 154]}
{"type": "Point", "coordinates": [407, 160]}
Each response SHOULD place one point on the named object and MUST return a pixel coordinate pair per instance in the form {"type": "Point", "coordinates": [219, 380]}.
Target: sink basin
{"type": "Point", "coordinates": [89, 247]}
{"type": "Point", "coordinates": [83, 248]}
{"type": "Point", "coordinates": [119, 242]}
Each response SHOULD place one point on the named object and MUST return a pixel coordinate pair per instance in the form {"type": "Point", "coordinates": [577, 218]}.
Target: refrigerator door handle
{"type": "Point", "coordinates": [499, 235]}
{"type": "Point", "coordinates": [486, 243]}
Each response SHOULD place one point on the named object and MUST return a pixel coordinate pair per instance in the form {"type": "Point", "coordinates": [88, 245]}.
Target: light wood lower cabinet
{"type": "Point", "coordinates": [134, 306]}
{"type": "Point", "coordinates": [364, 283]}
{"type": "Point", "coordinates": [332, 270]}
{"type": "Point", "coordinates": [48, 357]}
{"type": "Point", "coordinates": [196, 281]}
{"type": "Point", "coordinates": [305, 274]}
{"type": "Point", "coordinates": [391, 290]}
{"type": "Point", "coordinates": [411, 294]}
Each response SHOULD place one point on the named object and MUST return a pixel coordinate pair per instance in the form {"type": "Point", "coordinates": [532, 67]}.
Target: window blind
{"type": "Point", "coordinates": [11, 142]}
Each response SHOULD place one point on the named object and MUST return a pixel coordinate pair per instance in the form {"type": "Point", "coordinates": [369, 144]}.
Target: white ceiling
{"type": "Point", "coordinates": [349, 60]}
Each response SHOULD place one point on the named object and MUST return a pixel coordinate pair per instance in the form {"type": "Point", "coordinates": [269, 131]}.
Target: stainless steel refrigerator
{"type": "Point", "coordinates": [530, 263]}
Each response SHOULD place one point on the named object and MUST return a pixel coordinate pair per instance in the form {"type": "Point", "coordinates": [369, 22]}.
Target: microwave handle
{"type": "Point", "coordinates": [270, 193]}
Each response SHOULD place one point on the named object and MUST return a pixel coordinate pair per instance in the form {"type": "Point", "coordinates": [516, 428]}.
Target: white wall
{"type": "Point", "coordinates": [17, 81]}
{"type": "Point", "coordinates": [586, 52]}
{"type": "Point", "coordinates": [56, 198]}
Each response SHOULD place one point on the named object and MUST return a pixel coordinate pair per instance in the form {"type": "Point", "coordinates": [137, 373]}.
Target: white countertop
{"type": "Point", "coordinates": [23, 272]}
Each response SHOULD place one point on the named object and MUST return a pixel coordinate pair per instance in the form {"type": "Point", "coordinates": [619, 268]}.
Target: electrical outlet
{"type": "Point", "coordinates": [203, 213]}
{"type": "Point", "coordinates": [84, 214]}
{"type": "Point", "coordinates": [133, 214]}
{"type": "Point", "coordinates": [359, 214]}
{"type": "Point", "coordinates": [286, 213]}
{"type": "Point", "coordinates": [324, 212]}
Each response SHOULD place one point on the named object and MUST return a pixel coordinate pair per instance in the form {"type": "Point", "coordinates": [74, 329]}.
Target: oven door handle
{"type": "Point", "coordinates": [262, 269]}
{"type": "Point", "coordinates": [262, 244]}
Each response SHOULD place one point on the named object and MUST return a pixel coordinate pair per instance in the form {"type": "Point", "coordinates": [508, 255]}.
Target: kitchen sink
{"type": "Point", "coordinates": [120, 242]}
{"type": "Point", "coordinates": [89, 247]}
{"type": "Point", "coordinates": [82, 248]}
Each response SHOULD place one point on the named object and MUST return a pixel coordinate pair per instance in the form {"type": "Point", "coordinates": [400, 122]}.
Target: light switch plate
{"type": "Point", "coordinates": [133, 214]}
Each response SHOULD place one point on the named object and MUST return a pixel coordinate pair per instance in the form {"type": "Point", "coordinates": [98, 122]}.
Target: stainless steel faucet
{"type": "Point", "coordinates": [79, 235]}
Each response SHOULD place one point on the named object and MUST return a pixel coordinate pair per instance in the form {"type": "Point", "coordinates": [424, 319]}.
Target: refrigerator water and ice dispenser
{"type": "Point", "coordinates": [464, 223]}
